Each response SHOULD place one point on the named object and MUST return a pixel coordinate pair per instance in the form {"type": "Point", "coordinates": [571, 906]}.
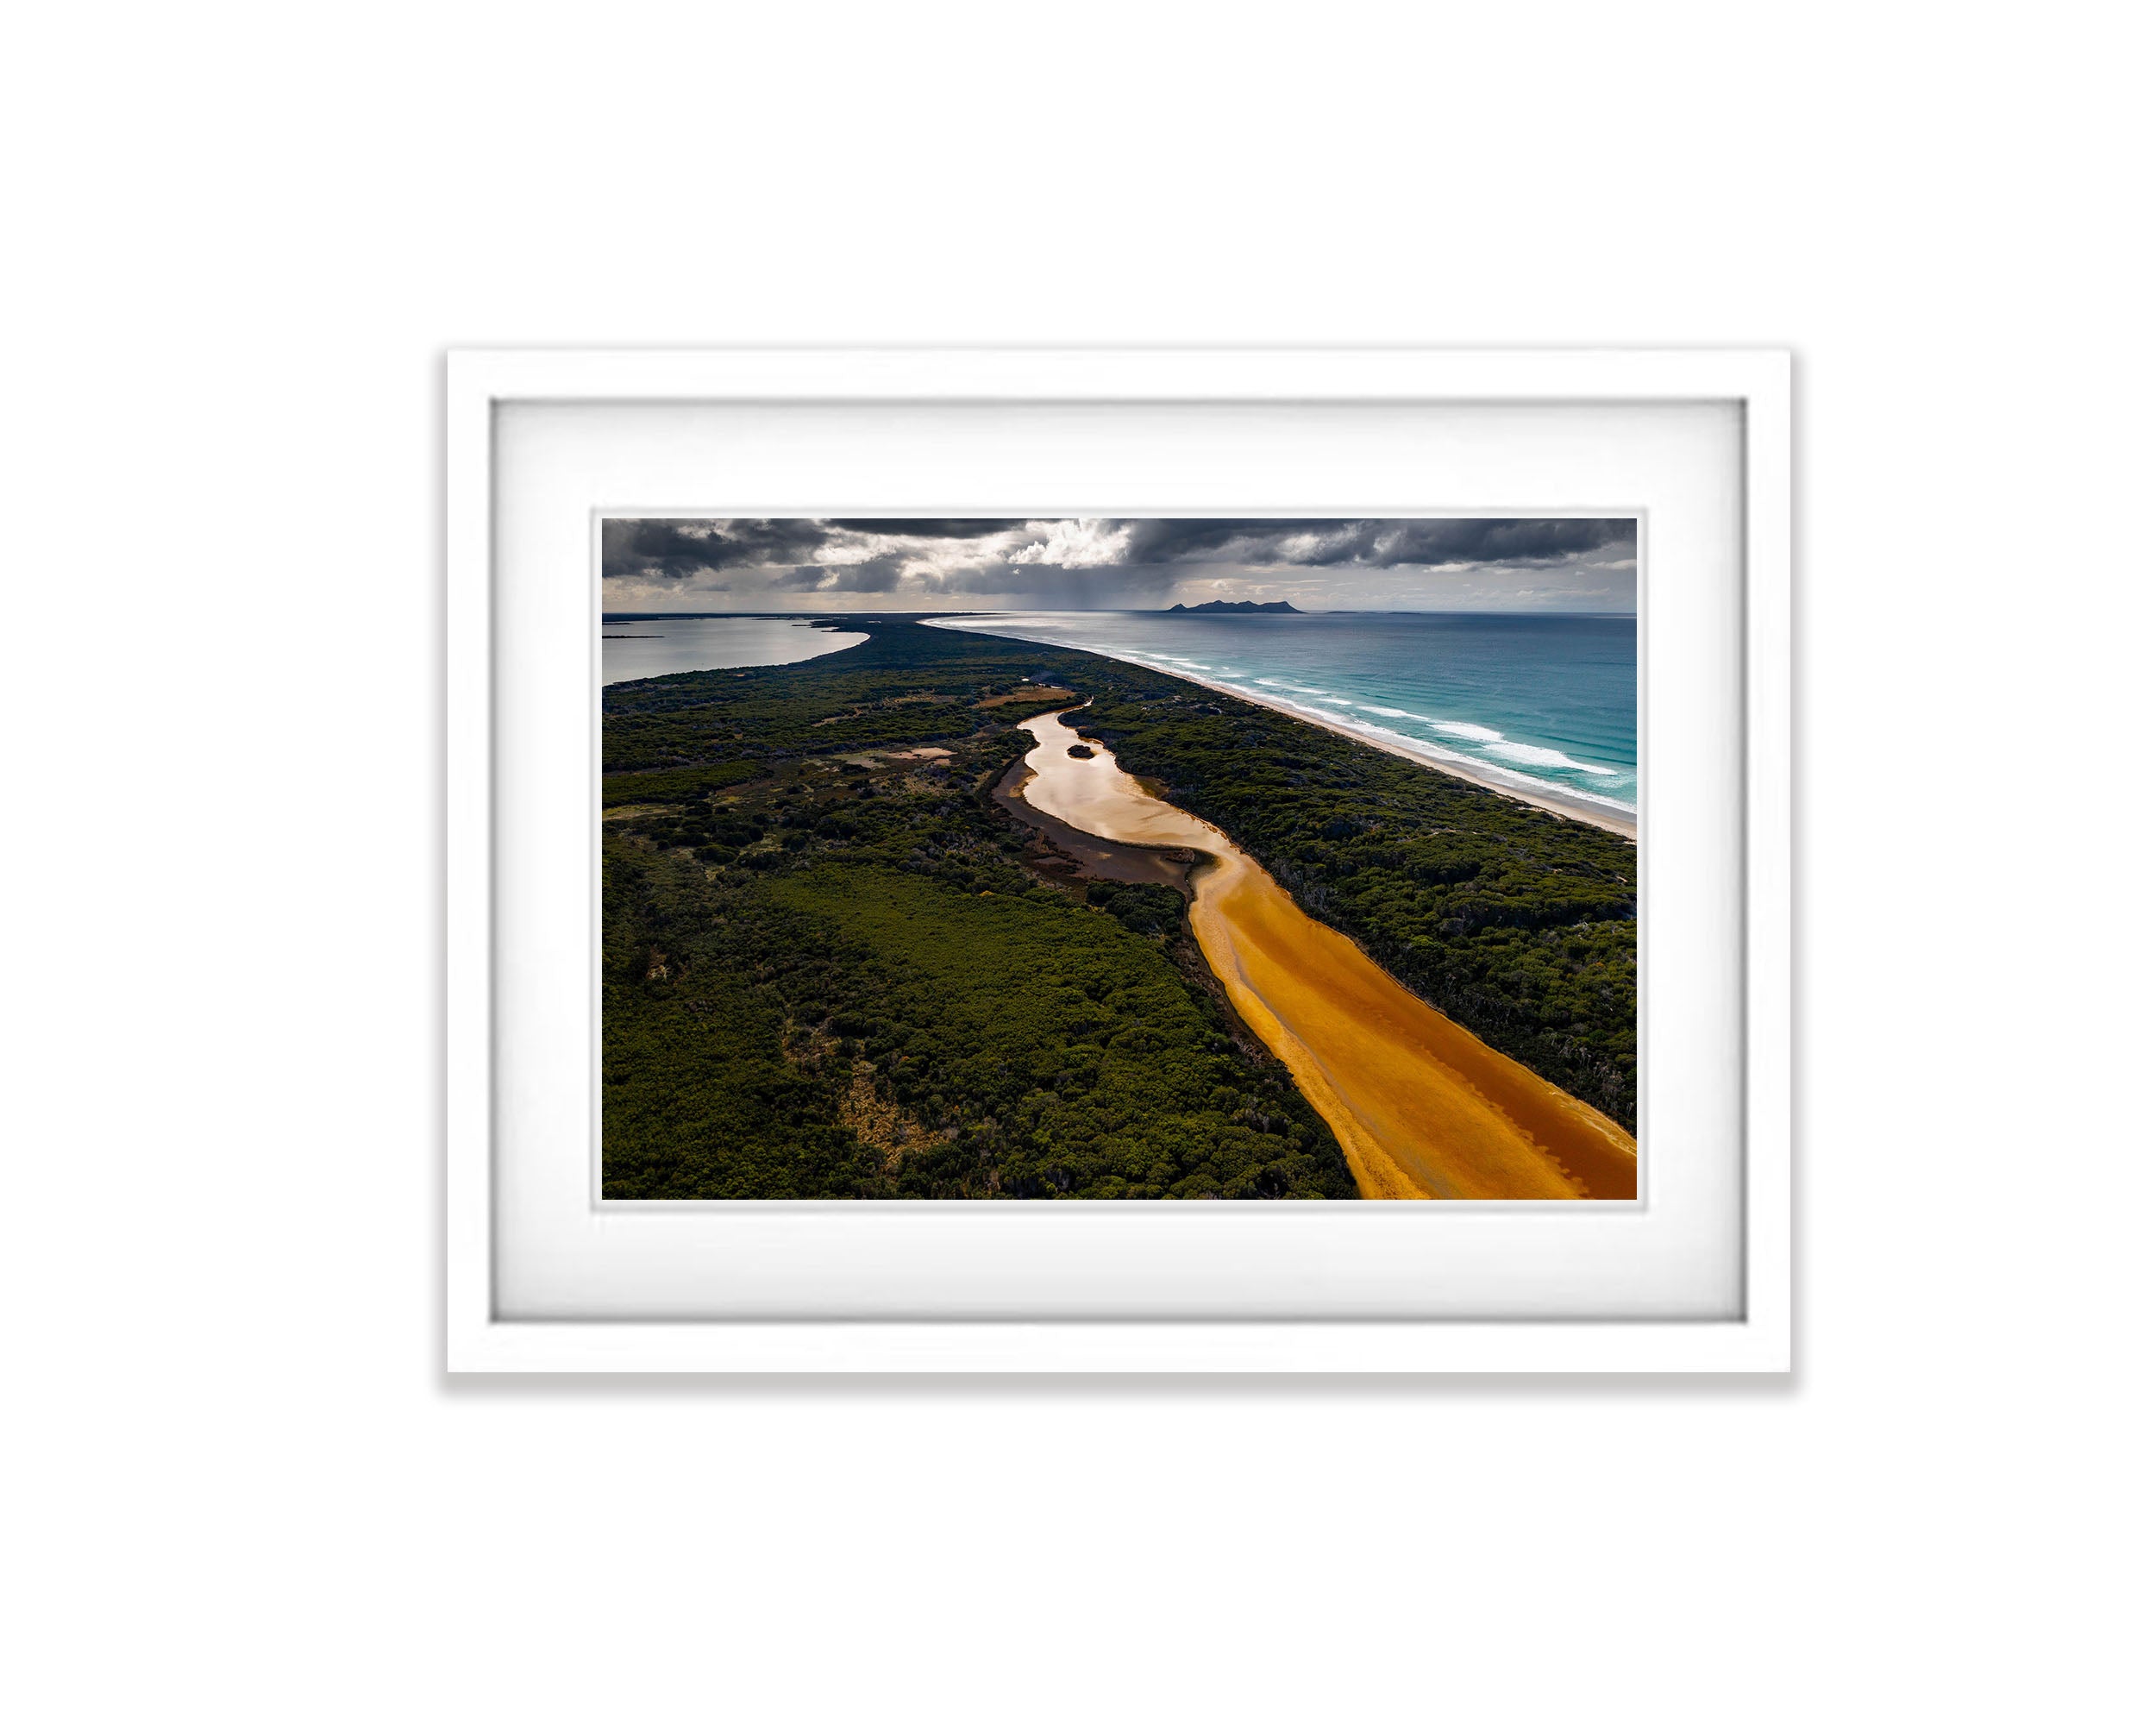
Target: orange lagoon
{"type": "Point", "coordinates": [1422, 1107]}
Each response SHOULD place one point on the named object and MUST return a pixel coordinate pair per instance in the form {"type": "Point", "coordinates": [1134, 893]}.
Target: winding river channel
{"type": "Point", "coordinates": [1422, 1107]}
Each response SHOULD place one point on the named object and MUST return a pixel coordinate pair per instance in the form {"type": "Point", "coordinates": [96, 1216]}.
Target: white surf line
{"type": "Point", "coordinates": [1585, 806]}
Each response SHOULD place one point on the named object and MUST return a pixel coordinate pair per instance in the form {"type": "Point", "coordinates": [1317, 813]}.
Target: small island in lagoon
{"type": "Point", "coordinates": [948, 915]}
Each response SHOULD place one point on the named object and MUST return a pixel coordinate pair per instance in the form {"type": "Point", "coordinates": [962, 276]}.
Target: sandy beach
{"type": "Point", "coordinates": [1550, 801]}
{"type": "Point", "coordinates": [1548, 798]}
{"type": "Point", "coordinates": [1422, 1107]}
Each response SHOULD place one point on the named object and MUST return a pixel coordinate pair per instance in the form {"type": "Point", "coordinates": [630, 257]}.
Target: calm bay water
{"type": "Point", "coordinates": [1546, 699]}
{"type": "Point", "coordinates": [632, 646]}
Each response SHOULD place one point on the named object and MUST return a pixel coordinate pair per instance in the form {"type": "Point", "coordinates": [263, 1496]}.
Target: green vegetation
{"type": "Point", "coordinates": [1519, 925]}
{"type": "Point", "coordinates": [838, 979]}
{"type": "Point", "coordinates": [904, 685]}
{"type": "Point", "coordinates": [682, 785]}
{"type": "Point", "coordinates": [830, 973]}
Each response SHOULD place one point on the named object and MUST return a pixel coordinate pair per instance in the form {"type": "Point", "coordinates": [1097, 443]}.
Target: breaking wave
{"type": "Point", "coordinates": [1533, 755]}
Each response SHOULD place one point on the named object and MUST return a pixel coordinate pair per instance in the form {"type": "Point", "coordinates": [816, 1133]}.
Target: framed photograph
{"type": "Point", "coordinates": [1078, 861]}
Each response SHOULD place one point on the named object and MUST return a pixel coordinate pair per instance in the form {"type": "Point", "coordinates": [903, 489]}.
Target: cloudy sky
{"type": "Point", "coordinates": [1109, 565]}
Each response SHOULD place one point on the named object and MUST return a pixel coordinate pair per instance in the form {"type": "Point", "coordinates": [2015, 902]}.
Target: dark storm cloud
{"type": "Point", "coordinates": [1172, 542]}
{"type": "Point", "coordinates": [681, 550]}
{"type": "Point", "coordinates": [907, 527]}
{"type": "Point", "coordinates": [877, 576]}
{"type": "Point", "coordinates": [1109, 586]}
{"type": "Point", "coordinates": [677, 550]}
{"type": "Point", "coordinates": [1496, 542]}
{"type": "Point", "coordinates": [1319, 543]}
{"type": "Point", "coordinates": [1107, 561]}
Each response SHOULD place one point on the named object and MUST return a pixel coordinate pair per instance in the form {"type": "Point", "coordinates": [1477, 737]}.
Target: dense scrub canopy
{"type": "Point", "coordinates": [1518, 924]}
{"type": "Point", "coordinates": [905, 684]}
{"type": "Point", "coordinates": [829, 972]}
{"type": "Point", "coordinates": [838, 979]}
{"type": "Point", "coordinates": [845, 1028]}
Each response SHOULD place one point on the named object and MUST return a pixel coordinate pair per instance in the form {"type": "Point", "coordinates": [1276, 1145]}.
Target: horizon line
{"type": "Point", "coordinates": [1127, 611]}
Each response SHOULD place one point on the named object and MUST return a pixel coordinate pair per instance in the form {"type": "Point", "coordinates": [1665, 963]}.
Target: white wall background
{"type": "Point", "coordinates": [240, 1486]}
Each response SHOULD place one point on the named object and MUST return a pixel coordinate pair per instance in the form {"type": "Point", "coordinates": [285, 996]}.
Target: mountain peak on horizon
{"type": "Point", "coordinates": [1244, 604]}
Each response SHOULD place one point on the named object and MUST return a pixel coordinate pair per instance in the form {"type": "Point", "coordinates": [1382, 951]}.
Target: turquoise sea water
{"type": "Point", "coordinates": [1543, 700]}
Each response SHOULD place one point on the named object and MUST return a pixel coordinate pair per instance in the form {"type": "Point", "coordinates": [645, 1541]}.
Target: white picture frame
{"type": "Point", "coordinates": [1749, 1330]}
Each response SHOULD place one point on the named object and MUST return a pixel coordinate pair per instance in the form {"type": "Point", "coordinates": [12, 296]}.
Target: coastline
{"type": "Point", "coordinates": [1550, 801]}
{"type": "Point", "coordinates": [1547, 798]}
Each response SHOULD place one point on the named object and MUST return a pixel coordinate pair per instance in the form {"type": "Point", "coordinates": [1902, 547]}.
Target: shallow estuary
{"type": "Point", "coordinates": [1422, 1107]}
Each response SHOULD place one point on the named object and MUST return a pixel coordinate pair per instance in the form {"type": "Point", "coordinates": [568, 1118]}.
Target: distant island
{"type": "Point", "coordinates": [1237, 605]}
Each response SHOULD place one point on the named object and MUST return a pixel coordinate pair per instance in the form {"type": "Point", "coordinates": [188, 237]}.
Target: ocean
{"type": "Point", "coordinates": [632, 646]}
{"type": "Point", "coordinates": [1546, 699]}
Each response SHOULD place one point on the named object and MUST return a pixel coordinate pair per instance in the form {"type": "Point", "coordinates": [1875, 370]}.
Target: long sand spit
{"type": "Point", "coordinates": [1422, 1107]}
